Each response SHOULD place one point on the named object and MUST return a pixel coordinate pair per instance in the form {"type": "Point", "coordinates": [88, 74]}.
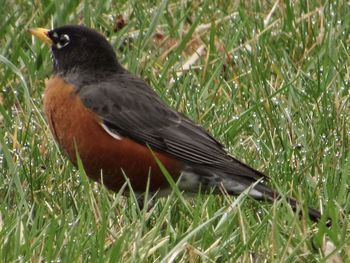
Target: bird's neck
{"type": "Point", "coordinates": [90, 70]}
{"type": "Point", "coordinates": [86, 77]}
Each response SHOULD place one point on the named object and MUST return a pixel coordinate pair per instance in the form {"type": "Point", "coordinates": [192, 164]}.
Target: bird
{"type": "Point", "coordinates": [121, 129]}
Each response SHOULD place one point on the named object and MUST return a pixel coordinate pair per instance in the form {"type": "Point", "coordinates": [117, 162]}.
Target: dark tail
{"type": "Point", "coordinates": [271, 196]}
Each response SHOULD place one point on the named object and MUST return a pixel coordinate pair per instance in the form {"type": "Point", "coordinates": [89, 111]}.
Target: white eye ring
{"type": "Point", "coordinates": [63, 41]}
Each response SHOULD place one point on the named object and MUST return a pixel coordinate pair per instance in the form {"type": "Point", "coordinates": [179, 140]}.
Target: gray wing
{"type": "Point", "coordinates": [139, 114]}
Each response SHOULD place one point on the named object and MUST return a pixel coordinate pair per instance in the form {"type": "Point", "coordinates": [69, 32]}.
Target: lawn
{"type": "Point", "coordinates": [269, 79]}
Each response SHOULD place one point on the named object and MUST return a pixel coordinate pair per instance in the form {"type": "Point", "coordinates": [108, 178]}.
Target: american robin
{"type": "Point", "coordinates": [119, 125]}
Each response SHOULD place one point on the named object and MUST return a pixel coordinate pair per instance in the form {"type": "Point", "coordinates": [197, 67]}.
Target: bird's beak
{"type": "Point", "coordinates": [42, 34]}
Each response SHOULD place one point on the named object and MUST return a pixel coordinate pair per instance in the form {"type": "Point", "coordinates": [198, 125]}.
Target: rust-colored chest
{"type": "Point", "coordinates": [77, 130]}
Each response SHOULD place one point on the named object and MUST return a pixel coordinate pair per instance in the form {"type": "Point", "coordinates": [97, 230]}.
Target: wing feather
{"type": "Point", "coordinates": [140, 114]}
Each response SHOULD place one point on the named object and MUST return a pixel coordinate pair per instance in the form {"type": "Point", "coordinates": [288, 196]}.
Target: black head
{"type": "Point", "coordinates": [80, 48]}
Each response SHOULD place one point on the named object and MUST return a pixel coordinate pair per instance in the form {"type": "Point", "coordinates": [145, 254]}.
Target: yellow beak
{"type": "Point", "coordinates": [42, 34]}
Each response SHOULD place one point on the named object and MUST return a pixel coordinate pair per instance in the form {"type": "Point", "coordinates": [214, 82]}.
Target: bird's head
{"type": "Point", "coordinates": [78, 48]}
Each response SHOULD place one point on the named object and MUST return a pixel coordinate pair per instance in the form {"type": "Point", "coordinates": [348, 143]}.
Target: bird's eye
{"type": "Point", "coordinates": [63, 41]}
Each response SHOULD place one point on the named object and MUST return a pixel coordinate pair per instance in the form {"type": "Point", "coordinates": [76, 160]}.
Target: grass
{"type": "Point", "coordinates": [271, 82]}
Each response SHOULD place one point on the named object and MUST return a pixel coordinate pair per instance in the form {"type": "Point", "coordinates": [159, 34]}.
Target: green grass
{"type": "Point", "coordinates": [272, 85]}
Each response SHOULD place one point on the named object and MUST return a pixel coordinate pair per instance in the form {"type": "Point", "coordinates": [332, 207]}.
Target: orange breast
{"type": "Point", "coordinates": [75, 128]}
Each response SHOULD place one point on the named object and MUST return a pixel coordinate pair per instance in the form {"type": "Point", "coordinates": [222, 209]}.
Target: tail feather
{"type": "Point", "coordinates": [234, 184]}
{"type": "Point", "coordinates": [271, 196]}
